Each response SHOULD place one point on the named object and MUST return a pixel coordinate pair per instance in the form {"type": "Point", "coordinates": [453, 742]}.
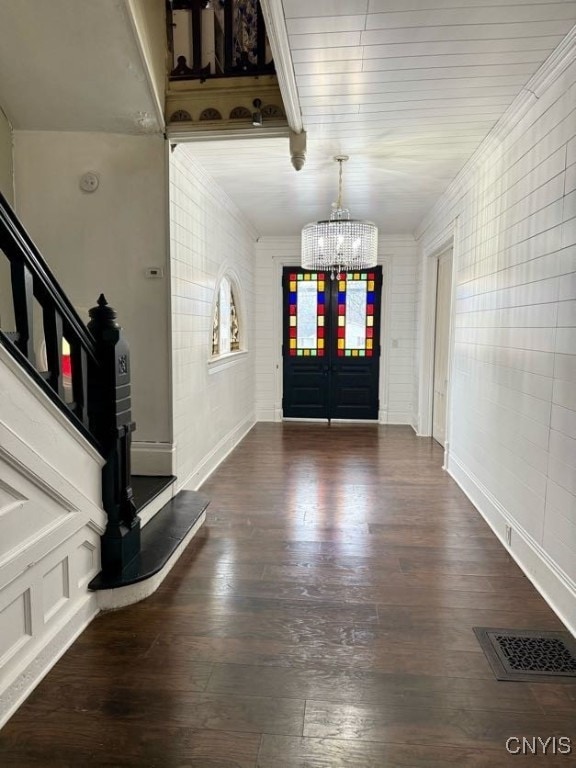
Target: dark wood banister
{"type": "Point", "coordinates": [100, 378]}
{"type": "Point", "coordinates": [36, 264]}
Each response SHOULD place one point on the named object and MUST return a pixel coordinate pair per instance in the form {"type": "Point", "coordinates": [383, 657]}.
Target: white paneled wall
{"type": "Point", "coordinates": [399, 258]}
{"type": "Point", "coordinates": [212, 407]}
{"type": "Point", "coordinates": [51, 519]}
{"type": "Point", "coordinates": [512, 441]}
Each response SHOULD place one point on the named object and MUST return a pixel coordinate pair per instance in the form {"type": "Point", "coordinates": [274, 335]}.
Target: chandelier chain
{"type": "Point", "coordinates": [340, 161]}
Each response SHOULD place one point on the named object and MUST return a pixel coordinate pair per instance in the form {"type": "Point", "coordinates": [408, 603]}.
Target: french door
{"type": "Point", "coordinates": [331, 344]}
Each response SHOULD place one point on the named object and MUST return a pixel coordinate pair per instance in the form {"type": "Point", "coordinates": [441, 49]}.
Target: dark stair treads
{"type": "Point", "coordinates": [145, 488]}
{"type": "Point", "coordinates": [160, 539]}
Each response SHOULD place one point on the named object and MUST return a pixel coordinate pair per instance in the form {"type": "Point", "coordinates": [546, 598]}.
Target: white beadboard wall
{"type": "Point", "coordinates": [399, 258]}
{"type": "Point", "coordinates": [512, 436]}
{"type": "Point", "coordinates": [213, 408]}
{"type": "Point", "coordinates": [399, 332]}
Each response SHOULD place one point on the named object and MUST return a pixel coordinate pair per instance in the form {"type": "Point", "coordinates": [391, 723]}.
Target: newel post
{"type": "Point", "coordinates": [111, 423]}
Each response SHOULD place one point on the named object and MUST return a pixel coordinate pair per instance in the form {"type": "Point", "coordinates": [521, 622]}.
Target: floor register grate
{"type": "Point", "coordinates": [528, 655]}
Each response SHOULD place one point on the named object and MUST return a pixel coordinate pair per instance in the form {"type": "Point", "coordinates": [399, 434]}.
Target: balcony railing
{"type": "Point", "coordinates": [217, 38]}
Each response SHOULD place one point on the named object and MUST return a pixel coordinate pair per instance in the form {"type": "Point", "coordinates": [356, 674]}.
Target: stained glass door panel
{"type": "Point", "coordinates": [305, 324]}
{"type": "Point", "coordinates": [331, 344]}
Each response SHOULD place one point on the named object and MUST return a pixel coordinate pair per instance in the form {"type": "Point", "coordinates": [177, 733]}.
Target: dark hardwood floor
{"type": "Point", "coordinates": [322, 619]}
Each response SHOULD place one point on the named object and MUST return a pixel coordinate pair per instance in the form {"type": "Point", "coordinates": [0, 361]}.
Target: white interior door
{"type": "Point", "coordinates": [441, 346]}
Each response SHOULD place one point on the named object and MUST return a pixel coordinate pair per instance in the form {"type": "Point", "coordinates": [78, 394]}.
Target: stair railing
{"type": "Point", "coordinates": [92, 388]}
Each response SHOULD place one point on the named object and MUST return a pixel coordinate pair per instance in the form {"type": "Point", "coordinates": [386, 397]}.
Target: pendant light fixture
{"type": "Point", "coordinates": [339, 244]}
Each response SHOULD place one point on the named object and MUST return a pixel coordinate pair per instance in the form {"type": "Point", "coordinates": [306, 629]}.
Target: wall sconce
{"type": "Point", "coordinates": [257, 115]}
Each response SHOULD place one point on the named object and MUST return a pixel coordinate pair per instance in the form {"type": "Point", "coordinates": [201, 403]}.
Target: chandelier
{"type": "Point", "coordinates": [339, 244]}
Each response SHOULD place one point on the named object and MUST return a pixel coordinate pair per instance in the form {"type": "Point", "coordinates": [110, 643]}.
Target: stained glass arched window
{"type": "Point", "coordinates": [226, 321]}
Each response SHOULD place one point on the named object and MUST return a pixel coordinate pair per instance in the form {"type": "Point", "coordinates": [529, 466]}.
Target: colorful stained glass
{"type": "Point", "coordinates": [356, 294]}
{"type": "Point", "coordinates": [307, 308]}
{"type": "Point", "coordinates": [224, 311]}
{"type": "Point", "coordinates": [225, 320]}
{"type": "Point", "coordinates": [66, 361]}
{"type": "Point", "coordinates": [234, 325]}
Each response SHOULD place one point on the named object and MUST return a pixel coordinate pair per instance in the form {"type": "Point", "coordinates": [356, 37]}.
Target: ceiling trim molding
{"type": "Point", "coordinates": [558, 61]}
{"type": "Point", "coordinates": [273, 13]}
{"type": "Point", "coordinates": [181, 133]}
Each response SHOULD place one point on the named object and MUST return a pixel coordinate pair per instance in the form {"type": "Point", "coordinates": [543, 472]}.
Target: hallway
{"type": "Point", "coordinates": [322, 619]}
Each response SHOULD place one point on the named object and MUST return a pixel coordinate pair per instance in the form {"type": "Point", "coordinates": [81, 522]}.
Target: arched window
{"type": "Point", "coordinates": [226, 322]}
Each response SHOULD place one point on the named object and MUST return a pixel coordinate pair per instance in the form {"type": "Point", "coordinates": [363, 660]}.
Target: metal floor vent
{"type": "Point", "coordinates": [528, 655]}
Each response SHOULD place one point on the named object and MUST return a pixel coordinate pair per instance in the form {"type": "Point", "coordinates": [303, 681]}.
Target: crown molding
{"type": "Point", "coordinates": [273, 13]}
{"type": "Point", "coordinates": [558, 61]}
{"type": "Point", "coordinates": [180, 133]}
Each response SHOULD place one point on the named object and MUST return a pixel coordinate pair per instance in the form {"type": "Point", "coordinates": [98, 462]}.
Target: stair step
{"type": "Point", "coordinates": [151, 494]}
{"type": "Point", "coordinates": [160, 539]}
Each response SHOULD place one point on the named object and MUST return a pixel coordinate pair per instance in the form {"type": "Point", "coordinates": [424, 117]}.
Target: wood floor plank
{"type": "Point", "coordinates": [339, 650]}
{"type": "Point", "coordinates": [468, 728]}
{"type": "Point", "coordinates": [177, 706]}
{"type": "Point", "coordinates": [340, 684]}
{"type": "Point", "coordinates": [322, 618]}
{"type": "Point", "coordinates": [286, 752]}
{"type": "Point", "coordinates": [108, 743]}
{"type": "Point", "coordinates": [390, 576]}
{"type": "Point", "coordinates": [395, 592]}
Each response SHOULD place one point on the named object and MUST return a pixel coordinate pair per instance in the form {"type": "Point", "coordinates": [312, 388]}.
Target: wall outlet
{"type": "Point", "coordinates": [509, 535]}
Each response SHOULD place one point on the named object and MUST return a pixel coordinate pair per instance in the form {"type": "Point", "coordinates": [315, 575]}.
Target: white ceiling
{"type": "Point", "coordinates": [407, 88]}
{"type": "Point", "coordinates": [72, 65]}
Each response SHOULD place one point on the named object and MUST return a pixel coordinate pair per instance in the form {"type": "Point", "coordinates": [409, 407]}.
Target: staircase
{"type": "Point", "coordinates": [166, 534]}
{"type": "Point", "coordinates": [78, 532]}
{"type": "Point", "coordinates": [91, 386]}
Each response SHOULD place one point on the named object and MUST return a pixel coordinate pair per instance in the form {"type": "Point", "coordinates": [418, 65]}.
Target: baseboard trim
{"type": "Point", "coordinates": [53, 647]}
{"type": "Point", "coordinates": [554, 585]}
{"type": "Point", "coordinates": [398, 418]}
{"type": "Point", "coordinates": [153, 459]}
{"type": "Point", "coordinates": [216, 456]}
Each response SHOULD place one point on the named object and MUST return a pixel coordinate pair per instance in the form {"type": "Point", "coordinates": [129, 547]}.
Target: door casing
{"type": "Point", "coordinates": [441, 346]}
